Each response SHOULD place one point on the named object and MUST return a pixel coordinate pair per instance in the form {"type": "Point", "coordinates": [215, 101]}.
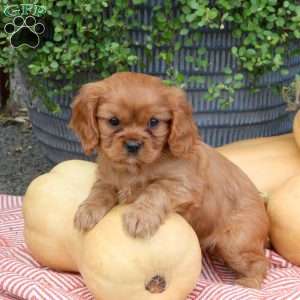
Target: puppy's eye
{"type": "Point", "coordinates": [114, 121]}
{"type": "Point", "coordinates": [153, 122]}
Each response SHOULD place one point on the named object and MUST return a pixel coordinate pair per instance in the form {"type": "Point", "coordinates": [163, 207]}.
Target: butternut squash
{"type": "Point", "coordinates": [267, 161]}
{"type": "Point", "coordinates": [284, 212]}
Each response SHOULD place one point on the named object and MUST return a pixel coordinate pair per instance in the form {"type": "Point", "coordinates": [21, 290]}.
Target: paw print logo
{"type": "Point", "coordinates": [24, 32]}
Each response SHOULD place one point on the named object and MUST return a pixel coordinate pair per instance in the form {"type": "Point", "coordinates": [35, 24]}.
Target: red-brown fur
{"type": "Point", "coordinates": [173, 172]}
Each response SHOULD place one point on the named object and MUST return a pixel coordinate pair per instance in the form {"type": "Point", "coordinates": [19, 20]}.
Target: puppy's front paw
{"type": "Point", "coordinates": [140, 223]}
{"type": "Point", "coordinates": [88, 215]}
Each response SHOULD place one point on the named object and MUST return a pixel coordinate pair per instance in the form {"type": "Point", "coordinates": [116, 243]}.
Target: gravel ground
{"type": "Point", "coordinates": [21, 158]}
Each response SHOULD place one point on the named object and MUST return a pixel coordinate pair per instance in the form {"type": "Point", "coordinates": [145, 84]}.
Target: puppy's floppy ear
{"type": "Point", "coordinates": [83, 120]}
{"type": "Point", "coordinates": [184, 132]}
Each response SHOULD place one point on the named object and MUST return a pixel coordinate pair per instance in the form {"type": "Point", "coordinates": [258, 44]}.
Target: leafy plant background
{"type": "Point", "coordinates": [94, 36]}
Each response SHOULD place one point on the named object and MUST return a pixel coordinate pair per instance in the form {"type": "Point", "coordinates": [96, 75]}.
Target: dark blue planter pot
{"type": "Point", "coordinates": [251, 115]}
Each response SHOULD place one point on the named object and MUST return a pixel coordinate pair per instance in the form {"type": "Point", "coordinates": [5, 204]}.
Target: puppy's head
{"type": "Point", "coordinates": [133, 118]}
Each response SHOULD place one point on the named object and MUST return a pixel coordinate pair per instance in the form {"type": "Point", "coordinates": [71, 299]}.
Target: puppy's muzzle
{"type": "Point", "coordinates": [133, 146]}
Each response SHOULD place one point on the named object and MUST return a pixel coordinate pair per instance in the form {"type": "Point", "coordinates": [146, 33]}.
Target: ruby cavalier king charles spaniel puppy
{"type": "Point", "coordinates": [151, 157]}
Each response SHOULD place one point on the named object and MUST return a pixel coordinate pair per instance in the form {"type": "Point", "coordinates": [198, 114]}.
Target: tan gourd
{"type": "Point", "coordinates": [284, 214]}
{"type": "Point", "coordinates": [267, 161]}
{"type": "Point", "coordinates": [114, 266]}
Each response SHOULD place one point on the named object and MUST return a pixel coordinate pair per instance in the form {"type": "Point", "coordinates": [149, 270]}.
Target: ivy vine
{"type": "Point", "coordinates": [96, 36]}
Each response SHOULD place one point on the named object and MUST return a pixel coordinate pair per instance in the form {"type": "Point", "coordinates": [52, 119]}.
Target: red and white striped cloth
{"type": "Point", "coordinates": [22, 278]}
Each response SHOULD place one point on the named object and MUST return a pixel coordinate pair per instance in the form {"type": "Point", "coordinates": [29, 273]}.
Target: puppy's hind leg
{"type": "Point", "coordinates": [253, 269]}
{"type": "Point", "coordinates": [251, 266]}
{"type": "Point", "coordinates": [245, 257]}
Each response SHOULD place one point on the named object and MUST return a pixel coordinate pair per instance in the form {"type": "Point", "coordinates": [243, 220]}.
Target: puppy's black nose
{"type": "Point", "coordinates": [133, 146]}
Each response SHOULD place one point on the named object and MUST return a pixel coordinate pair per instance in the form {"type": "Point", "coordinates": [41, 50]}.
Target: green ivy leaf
{"type": "Point", "coordinates": [227, 71]}
{"type": "Point", "coordinates": [238, 76]}
{"type": "Point", "coordinates": [183, 31]}
{"type": "Point", "coordinates": [284, 72]}
{"type": "Point", "coordinates": [234, 51]}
